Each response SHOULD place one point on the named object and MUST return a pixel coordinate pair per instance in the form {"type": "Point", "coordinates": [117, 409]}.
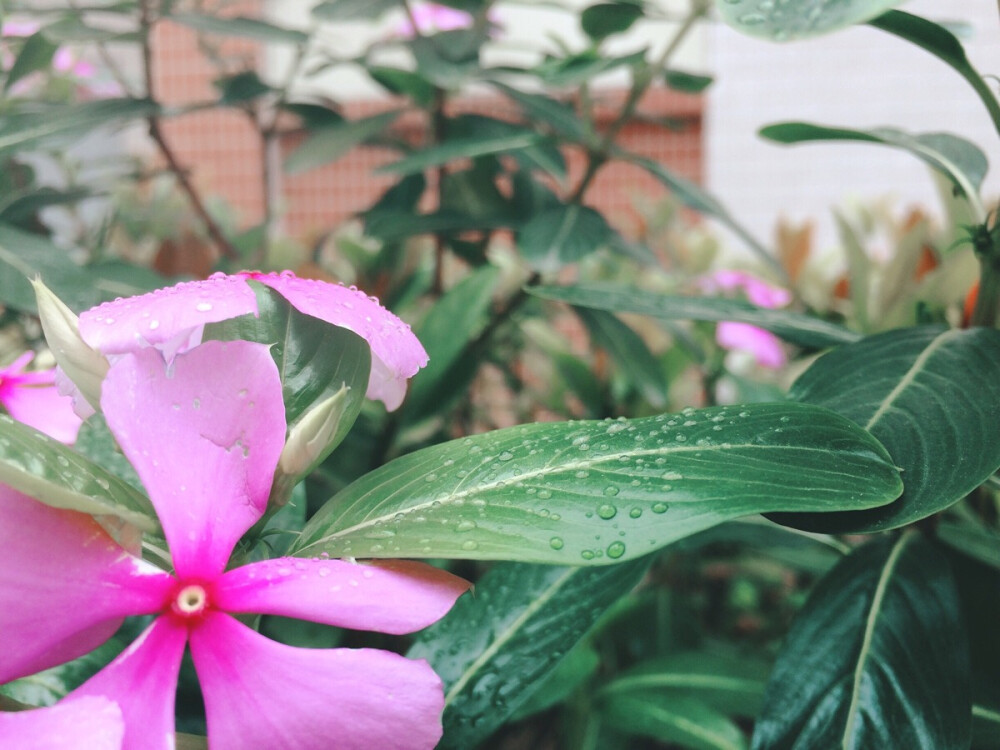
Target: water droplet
{"type": "Point", "coordinates": [505, 456]}
{"type": "Point", "coordinates": [556, 543]}
{"type": "Point", "coordinates": [153, 324]}
{"type": "Point", "coordinates": [324, 572]}
{"type": "Point", "coordinates": [470, 544]}
{"type": "Point", "coordinates": [587, 554]}
{"type": "Point", "coordinates": [582, 474]}
{"type": "Point", "coordinates": [465, 526]}
{"type": "Point", "coordinates": [616, 550]}
{"type": "Point", "coordinates": [660, 507]}
{"type": "Point", "coordinates": [673, 476]}
{"type": "Point", "coordinates": [196, 404]}
{"type": "Point", "coordinates": [607, 512]}
{"type": "Point", "coordinates": [203, 306]}
{"type": "Point", "coordinates": [610, 490]}
{"type": "Point", "coordinates": [544, 494]}
{"type": "Point", "coordinates": [635, 512]}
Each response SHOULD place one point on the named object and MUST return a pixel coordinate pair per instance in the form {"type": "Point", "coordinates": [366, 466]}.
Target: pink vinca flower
{"type": "Point", "coordinates": [204, 435]}
{"type": "Point", "coordinates": [173, 320]}
{"type": "Point", "coordinates": [765, 348]}
{"type": "Point", "coordinates": [431, 18]}
{"type": "Point", "coordinates": [32, 398]}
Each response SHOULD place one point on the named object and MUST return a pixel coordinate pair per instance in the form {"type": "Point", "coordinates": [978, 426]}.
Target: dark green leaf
{"type": "Point", "coordinates": [962, 162]}
{"type": "Point", "coordinates": [932, 397]}
{"type": "Point", "coordinates": [677, 719]}
{"type": "Point", "coordinates": [401, 198]}
{"type": "Point", "coordinates": [597, 492]}
{"type": "Point", "coordinates": [315, 359]}
{"type": "Point", "coordinates": [689, 83]}
{"type": "Point", "coordinates": [454, 321]}
{"type": "Point", "coordinates": [240, 88]}
{"type": "Point", "coordinates": [493, 649]}
{"type": "Point", "coordinates": [240, 26]}
{"type": "Point", "coordinates": [24, 256]}
{"type": "Point", "coordinates": [449, 58]}
{"type": "Point", "coordinates": [797, 328]}
{"type": "Point", "coordinates": [562, 235]}
{"type": "Point", "coordinates": [36, 54]}
{"type": "Point", "coordinates": [390, 226]}
{"type": "Point", "coordinates": [629, 352]}
{"type": "Point", "coordinates": [578, 666]}
{"type": "Point", "coordinates": [474, 192]}
{"type": "Point", "coordinates": [732, 684]}
{"type": "Point", "coordinates": [582, 67]}
{"type": "Point", "coordinates": [876, 658]}
{"type": "Point", "coordinates": [798, 19]}
{"type": "Point", "coordinates": [604, 19]}
{"type": "Point", "coordinates": [96, 442]}
{"type": "Point", "coordinates": [59, 124]}
{"type": "Point", "coordinates": [403, 83]}
{"type": "Point", "coordinates": [541, 108]}
{"type": "Point", "coordinates": [330, 143]}
{"type": "Point", "coordinates": [24, 206]}
{"type": "Point", "coordinates": [56, 475]}
{"type": "Point", "coordinates": [451, 150]}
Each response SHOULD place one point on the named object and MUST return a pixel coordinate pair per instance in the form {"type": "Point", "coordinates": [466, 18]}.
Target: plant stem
{"type": "Point", "coordinates": [146, 23]}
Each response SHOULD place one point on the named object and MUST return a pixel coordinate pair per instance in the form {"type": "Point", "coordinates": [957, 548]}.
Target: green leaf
{"type": "Point", "coordinates": [403, 83]}
{"type": "Point", "coordinates": [604, 19]}
{"type": "Point", "coordinates": [689, 83]}
{"type": "Point", "coordinates": [732, 684]}
{"type": "Point", "coordinates": [240, 26]}
{"type": "Point", "coordinates": [52, 473]}
{"type": "Point", "coordinates": [629, 352]}
{"type": "Point", "coordinates": [23, 206]}
{"type": "Point", "coordinates": [597, 492]}
{"type": "Point", "coordinates": [96, 442]}
{"type": "Point", "coordinates": [455, 320]}
{"type": "Point", "coordinates": [352, 10]}
{"type": "Point", "coordinates": [315, 359]}
{"type": "Point", "coordinates": [24, 256]}
{"type": "Point", "coordinates": [695, 197]}
{"type": "Point", "coordinates": [932, 397]}
{"type": "Point", "coordinates": [797, 328]}
{"type": "Point", "coordinates": [240, 88]}
{"type": "Point", "coordinates": [676, 719]}
{"type": "Point", "coordinates": [578, 666]}
{"type": "Point", "coordinates": [562, 235]}
{"type": "Point", "coordinates": [493, 649]}
{"type": "Point", "coordinates": [60, 124]}
{"type": "Point", "coordinates": [876, 658]}
{"type": "Point", "coordinates": [466, 148]}
{"type": "Point", "coordinates": [583, 66]}
{"type": "Point", "coordinates": [330, 143]}
{"type": "Point", "coordinates": [36, 54]}
{"type": "Point", "coordinates": [541, 108]}
{"type": "Point", "coordinates": [798, 19]}
{"type": "Point", "coordinates": [961, 162]}
{"type": "Point", "coordinates": [449, 58]}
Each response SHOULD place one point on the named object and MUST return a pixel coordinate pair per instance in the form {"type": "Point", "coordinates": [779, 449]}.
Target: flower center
{"type": "Point", "coordinates": [190, 600]}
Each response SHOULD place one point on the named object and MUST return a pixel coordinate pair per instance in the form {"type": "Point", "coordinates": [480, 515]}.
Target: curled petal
{"type": "Point", "coordinates": [396, 352]}
{"type": "Point", "coordinates": [143, 681]}
{"type": "Point", "coordinates": [65, 586]}
{"type": "Point", "coordinates": [262, 694]}
{"type": "Point", "coordinates": [204, 435]}
{"type": "Point", "coordinates": [93, 723]}
{"type": "Point", "coordinates": [392, 597]}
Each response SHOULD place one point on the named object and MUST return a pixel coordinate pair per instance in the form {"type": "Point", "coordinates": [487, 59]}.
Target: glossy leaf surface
{"type": "Point", "coordinates": [598, 492]}
{"type": "Point", "coordinates": [876, 658]}
{"type": "Point", "coordinates": [798, 19]}
{"type": "Point", "coordinates": [676, 719]}
{"type": "Point", "coordinates": [932, 397]}
{"type": "Point", "coordinates": [494, 649]}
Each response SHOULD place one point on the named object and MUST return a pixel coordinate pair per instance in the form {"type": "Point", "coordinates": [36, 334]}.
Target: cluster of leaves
{"type": "Point", "coordinates": [626, 586]}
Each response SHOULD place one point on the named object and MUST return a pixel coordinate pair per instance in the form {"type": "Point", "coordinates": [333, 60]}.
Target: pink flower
{"type": "Point", "coordinates": [763, 346]}
{"type": "Point", "coordinates": [31, 397]}
{"type": "Point", "coordinates": [204, 434]}
{"type": "Point", "coordinates": [431, 18]}
{"type": "Point", "coordinates": [173, 320]}
{"type": "Point", "coordinates": [95, 721]}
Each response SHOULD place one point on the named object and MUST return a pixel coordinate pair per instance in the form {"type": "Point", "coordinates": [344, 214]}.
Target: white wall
{"type": "Point", "coordinates": [859, 77]}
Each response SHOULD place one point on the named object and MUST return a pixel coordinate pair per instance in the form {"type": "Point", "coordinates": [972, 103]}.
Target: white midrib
{"type": "Point", "coordinates": [575, 465]}
{"type": "Point", "coordinates": [866, 643]}
{"type": "Point", "coordinates": [915, 369]}
{"type": "Point", "coordinates": [694, 729]}
{"type": "Point", "coordinates": [492, 649]}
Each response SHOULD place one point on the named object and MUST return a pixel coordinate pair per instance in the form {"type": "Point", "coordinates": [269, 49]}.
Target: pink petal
{"type": "Point", "coordinates": [143, 682]}
{"type": "Point", "coordinates": [204, 435]}
{"type": "Point", "coordinates": [392, 597]}
{"type": "Point", "coordinates": [759, 292]}
{"type": "Point", "coordinates": [765, 347]}
{"type": "Point", "coordinates": [91, 723]}
{"type": "Point", "coordinates": [262, 694]}
{"type": "Point", "coordinates": [65, 586]}
{"type": "Point", "coordinates": [44, 409]}
{"type": "Point", "coordinates": [396, 352]}
{"type": "Point", "coordinates": [172, 319]}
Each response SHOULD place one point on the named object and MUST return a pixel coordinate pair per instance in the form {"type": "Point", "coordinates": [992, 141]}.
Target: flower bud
{"type": "Point", "coordinates": [85, 366]}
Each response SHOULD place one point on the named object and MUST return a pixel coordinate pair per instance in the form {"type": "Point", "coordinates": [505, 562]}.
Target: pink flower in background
{"type": "Point", "coordinates": [32, 398]}
{"type": "Point", "coordinates": [431, 18]}
{"type": "Point", "coordinates": [764, 346]}
{"type": "Point", "coordinates": [204, 434]}
{"type": "Point", "coordinates": [173, 320]}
